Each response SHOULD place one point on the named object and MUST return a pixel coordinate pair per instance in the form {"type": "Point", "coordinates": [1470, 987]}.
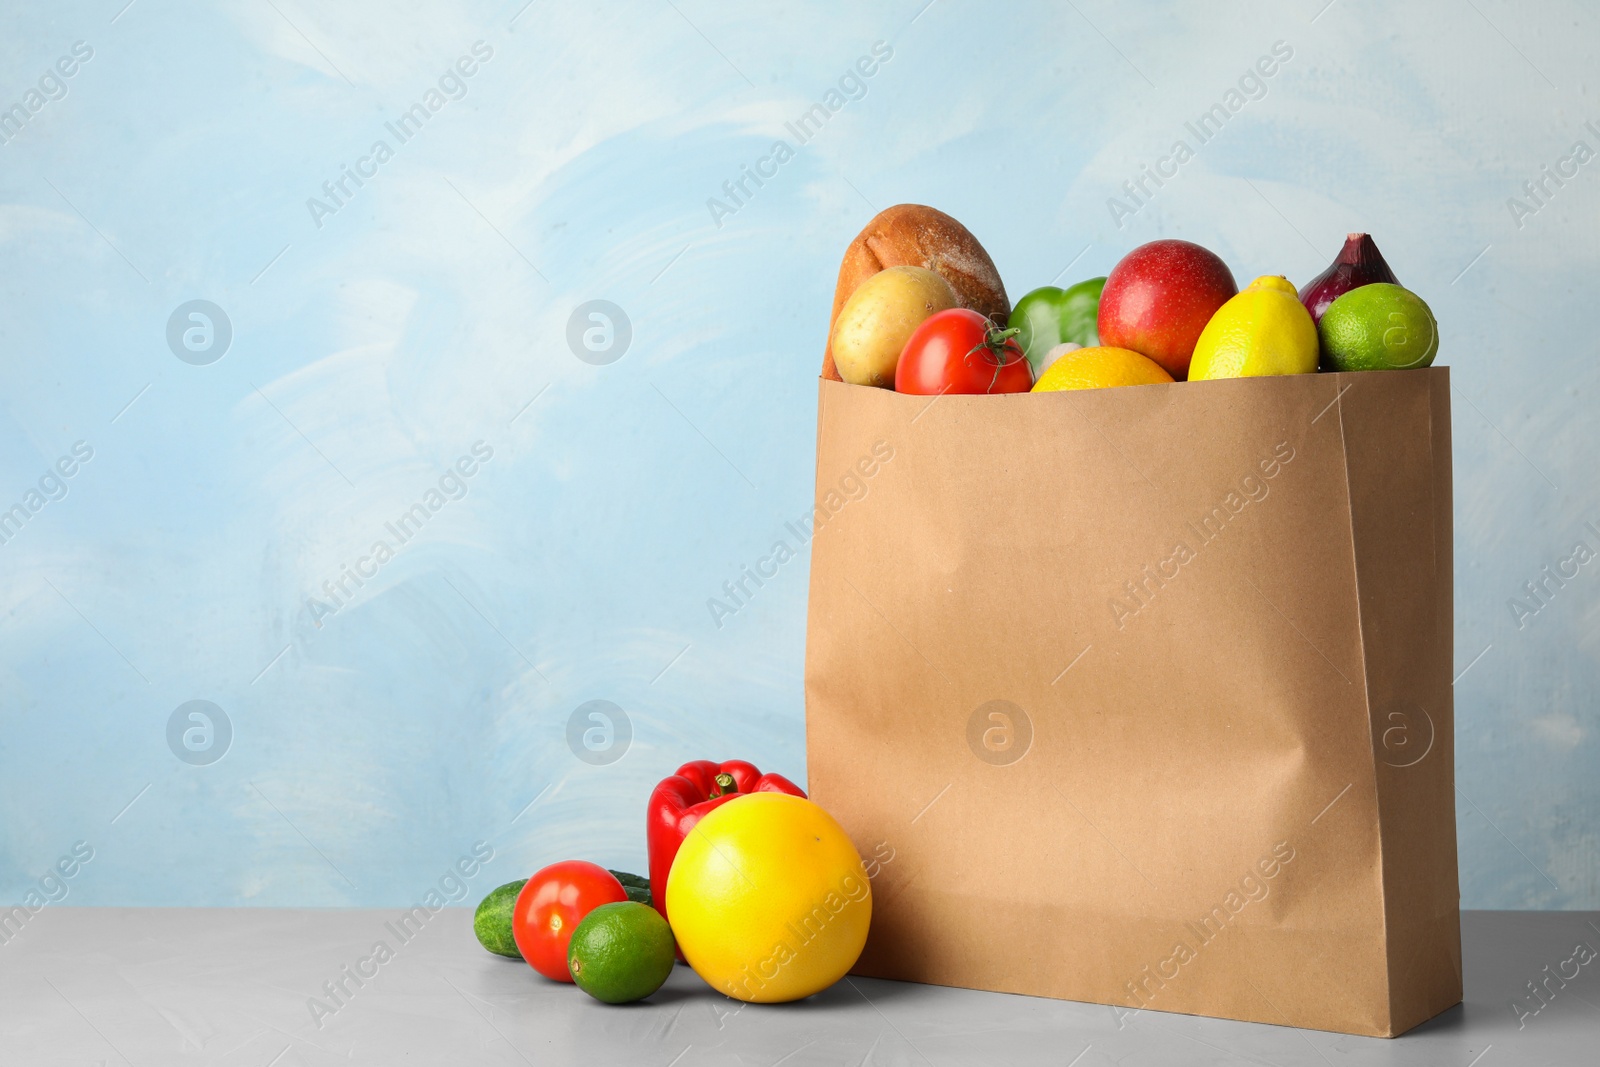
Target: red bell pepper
{"type": "Point", "coordinates": [679, 802]}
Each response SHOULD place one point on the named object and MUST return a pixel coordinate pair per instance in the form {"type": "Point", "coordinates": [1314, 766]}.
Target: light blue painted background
{"type": "Point", "coordinates": [378, 348]}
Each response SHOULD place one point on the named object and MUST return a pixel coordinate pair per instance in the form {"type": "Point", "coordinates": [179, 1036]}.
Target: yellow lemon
{"type": "Point", "coordinates": [1092, 368]}
{"type": "Point", "coordinates": [769, 899]}
{"type": "Point", "coordinates": [1264, 330]}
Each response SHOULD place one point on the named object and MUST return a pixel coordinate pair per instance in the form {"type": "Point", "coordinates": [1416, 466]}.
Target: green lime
{"type": "Point", "coordinates": [1380, 326]}
{"type": "Point", "coordinates": [621, 952]}
{"type": "Point", "coordinates": [492, 921]}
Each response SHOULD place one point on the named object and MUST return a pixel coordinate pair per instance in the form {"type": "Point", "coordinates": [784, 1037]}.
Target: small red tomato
{"type": "Point", "coordinates": [552, 904]}
{"type": "Point", "coordinates": [960, 351]}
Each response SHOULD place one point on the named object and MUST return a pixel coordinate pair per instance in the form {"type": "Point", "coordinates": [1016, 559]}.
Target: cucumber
{"type": "Point", "coordinates": [638, 889]}
{"type": "Point", "coordinates": [492, 921]}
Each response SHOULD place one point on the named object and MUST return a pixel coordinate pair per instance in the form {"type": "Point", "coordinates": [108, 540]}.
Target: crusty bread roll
{"type": "Point", "coordinates": [911, 235]}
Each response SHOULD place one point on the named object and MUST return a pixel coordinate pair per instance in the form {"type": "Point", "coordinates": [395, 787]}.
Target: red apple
{"type": "Point", "coordinates": [1159, 297]}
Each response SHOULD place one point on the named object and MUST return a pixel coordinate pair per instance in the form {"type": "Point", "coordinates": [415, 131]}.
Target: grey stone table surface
{"type": "Point", "coordinates": [167, 986]}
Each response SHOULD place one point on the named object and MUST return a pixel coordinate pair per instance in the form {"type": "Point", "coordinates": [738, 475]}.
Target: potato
{"type": "Point", "coordinates": [875, 323]}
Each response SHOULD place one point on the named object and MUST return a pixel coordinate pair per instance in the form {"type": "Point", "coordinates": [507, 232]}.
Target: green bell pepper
{"type": "Point", "coordinates": [1049, 316]}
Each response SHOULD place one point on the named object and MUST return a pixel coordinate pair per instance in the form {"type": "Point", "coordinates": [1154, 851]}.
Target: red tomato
{"type": "Point", "coordinates": [552, 904]}
{"type": "Point", "coordinates": [960, 351]}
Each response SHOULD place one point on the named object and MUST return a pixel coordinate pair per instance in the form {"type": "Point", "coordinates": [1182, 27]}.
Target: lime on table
{"type": "Point", "coordinates": [1378, 327]}
{"type": "Point", "coordinates": [621, 952]}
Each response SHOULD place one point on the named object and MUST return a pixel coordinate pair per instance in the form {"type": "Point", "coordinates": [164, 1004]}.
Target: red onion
{"type": "Point", "coordinates": [1359, 263]}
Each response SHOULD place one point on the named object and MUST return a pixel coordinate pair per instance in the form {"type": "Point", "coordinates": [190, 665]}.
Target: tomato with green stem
{"type": "Point", "coordinates": [960, 351]}
{"type": "Point", "coordinates": [552, 904]}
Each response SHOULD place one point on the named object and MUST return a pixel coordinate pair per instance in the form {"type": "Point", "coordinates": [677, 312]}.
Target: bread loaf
{"type": "Point", "coordinates": [911, 235]}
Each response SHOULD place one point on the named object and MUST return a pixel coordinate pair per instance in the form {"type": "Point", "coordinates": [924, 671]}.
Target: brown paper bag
{"type": "Point", "coordinates": [1142, 696]}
